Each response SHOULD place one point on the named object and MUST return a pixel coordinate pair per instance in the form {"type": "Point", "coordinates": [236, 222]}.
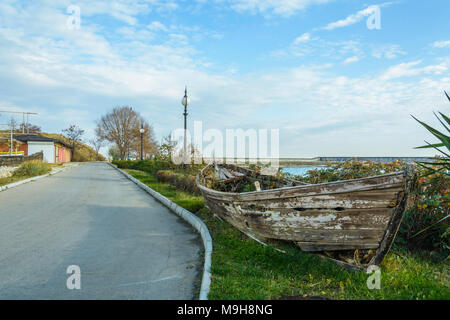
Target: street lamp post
{"type": "Point", "coordinates": [142, 141]}
{"type": "Point", "coordinates": [185, 103]}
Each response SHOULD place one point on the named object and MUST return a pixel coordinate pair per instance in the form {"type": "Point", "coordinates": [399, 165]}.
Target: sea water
{"type": "Point", "coordinates": [299, 171]}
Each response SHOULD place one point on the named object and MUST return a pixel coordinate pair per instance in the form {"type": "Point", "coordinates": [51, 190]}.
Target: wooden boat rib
{"type": "Point", "coordinates": [354, 221]}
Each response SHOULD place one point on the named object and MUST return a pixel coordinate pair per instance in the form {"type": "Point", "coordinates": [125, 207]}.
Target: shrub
{"type": "Point", "coordinates": [352, 169]}
{"type": "Point", "coordinates": [149, 166]}
{"type": "Point", "coordinates": [124, 164]}
{"type": "Point", "coordinates": [32, 168]}
{"type": "Point", "coordinates": [180, 181]}
{"type": "Point", "coordinates": [425, 225]}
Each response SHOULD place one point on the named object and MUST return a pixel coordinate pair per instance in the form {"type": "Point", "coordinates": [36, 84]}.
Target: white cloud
{"type": "Point", "coordinates": [387, 51]}
{"type": "Point", "coordinates": [355, 17]}
{"type": "Point", "coordinates": [409, 69]}
{"type": "Point", "coordinates": [307, 45]}
{"type": "Point", "coordinates": [157, 26]}
{"type": "Point", "coordinates": [284, 8]}
{"type": "Point", "coordinates": [351, 60]}
{"type": "Point", "coordinates": [441, 44]}
{"type": "Point", "coordinates": [303, 38]}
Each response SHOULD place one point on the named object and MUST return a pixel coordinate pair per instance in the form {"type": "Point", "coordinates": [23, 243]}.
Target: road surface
{"type": "Point", "coordinates": [126, 244]}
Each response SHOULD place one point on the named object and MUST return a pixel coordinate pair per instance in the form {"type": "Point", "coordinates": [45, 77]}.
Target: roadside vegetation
{"type": "Point", "coordinates": [244, 269]}
{"type": "Point", "coordinates": [25, 170]}
{"type": "Point", "coordinates": [425, 223]}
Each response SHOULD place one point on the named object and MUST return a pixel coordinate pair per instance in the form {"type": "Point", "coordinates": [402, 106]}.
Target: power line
{"type": "Point", "coordinates": [23, 118]}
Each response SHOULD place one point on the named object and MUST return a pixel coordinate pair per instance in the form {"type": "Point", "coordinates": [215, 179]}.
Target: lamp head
{"type": "Point", "coordinates": [185, 101]}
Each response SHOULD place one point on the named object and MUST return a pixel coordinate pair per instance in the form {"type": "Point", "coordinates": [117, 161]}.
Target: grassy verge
{"type": "Point", "coordinates": [27, 170]}
{"type": "Point", "coordinates": [244, 269]}
{"type": "Point", "coordinates": [8, 180]}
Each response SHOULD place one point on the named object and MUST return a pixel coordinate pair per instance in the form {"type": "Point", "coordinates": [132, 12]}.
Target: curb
{"type": "Point", "coordinates": [193, 220]}
{"type": "Point", "coordinates": [18, 183]}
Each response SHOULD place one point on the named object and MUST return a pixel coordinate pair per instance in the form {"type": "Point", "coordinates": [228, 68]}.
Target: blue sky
{"type": "Point", "coordinates": [310, 68]}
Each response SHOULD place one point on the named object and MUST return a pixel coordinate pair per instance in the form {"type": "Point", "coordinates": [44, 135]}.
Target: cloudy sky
{"type": "Point", "coordinates": [317, 70]}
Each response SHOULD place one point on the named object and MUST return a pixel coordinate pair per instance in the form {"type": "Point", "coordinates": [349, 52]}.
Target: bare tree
{"type": "Point", "coordinates": [31, 128]}
{"type": "Point", "coordinates": [74, 133]}
{"type": "Point", "coordinates": [121, 126]}
{"type": "Point", "coordinates": [96, 144]}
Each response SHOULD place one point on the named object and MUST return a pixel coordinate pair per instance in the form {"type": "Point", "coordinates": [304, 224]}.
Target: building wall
{"type": "Point", "coordinates": [15, 161]}
{"type": "Point", "coordinates": [23, 147]}
{"type": "Point", "coordinates": [19, 148]}
{"type": "Point", "coordinates": [62, 154]}
{"type": "Point", "coordinates": [48, 148]}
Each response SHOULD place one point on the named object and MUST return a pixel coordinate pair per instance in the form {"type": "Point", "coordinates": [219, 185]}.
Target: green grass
{"type": "Point", "coordinates": [8, 180]}
{"type": "Point", "coordinates": [244, 269]}
{"type": "Point", "coordinates": [32, 168]}
{"type": "Point", "coordinates": [27, 170]}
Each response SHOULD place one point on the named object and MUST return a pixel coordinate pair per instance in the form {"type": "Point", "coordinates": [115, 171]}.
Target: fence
{"type": "Point", "coordinates": [12, 161]}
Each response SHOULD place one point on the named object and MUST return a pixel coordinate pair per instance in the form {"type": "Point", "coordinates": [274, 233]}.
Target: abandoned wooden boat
{"type": "Point", "coordinates": [352, 221]}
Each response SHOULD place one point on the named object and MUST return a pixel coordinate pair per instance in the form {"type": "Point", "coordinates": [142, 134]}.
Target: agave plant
{"type": "Point", "coordinates": [442, 164]}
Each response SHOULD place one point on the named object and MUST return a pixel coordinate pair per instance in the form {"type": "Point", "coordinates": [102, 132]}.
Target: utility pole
{"type": "Point", "coordinates": [11, 140]}
{"type": "Point", "coordinates": [23, 118]}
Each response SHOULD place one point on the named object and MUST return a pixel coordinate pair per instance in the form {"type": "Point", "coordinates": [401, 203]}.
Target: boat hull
{"type": "Point", "coordinates": [344, 215]}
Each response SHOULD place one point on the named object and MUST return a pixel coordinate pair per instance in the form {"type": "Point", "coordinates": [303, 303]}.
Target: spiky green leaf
{"type": "Point", "coordinates": [444, 138]}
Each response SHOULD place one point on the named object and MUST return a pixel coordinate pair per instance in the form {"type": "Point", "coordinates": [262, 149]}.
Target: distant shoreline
{"type": "Point", "coordinates": [322, 161]}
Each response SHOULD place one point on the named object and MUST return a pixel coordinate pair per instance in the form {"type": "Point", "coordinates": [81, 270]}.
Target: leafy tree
{"type": "Point", "coordinates": [114, 153]}
{"type": "Point", "coordinates": [166, 148]}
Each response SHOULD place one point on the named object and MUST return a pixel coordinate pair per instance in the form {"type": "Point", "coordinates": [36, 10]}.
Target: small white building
{"type": "Point", "coordinates": [54, 151]}
{"type": "Point", "coordinates": [47, 147]}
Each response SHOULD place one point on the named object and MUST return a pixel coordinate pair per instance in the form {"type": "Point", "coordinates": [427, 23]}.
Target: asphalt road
{"type": "Point", "coordinates": [126, 244]}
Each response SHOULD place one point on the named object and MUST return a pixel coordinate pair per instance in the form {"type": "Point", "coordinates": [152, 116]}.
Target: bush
{"type": "Point", "coordinates": [124, 164]}
{"type": "Point", "coordinates": [32, 168]}
{"type": "Point", "coordinates": [183, 178]}
{"type": "Point", "coordinates": [149, 166]}
{"type": "Point", "coordinates": [352, 169]}
{"type": "Point", "coordinates": [424, 225]}
{"type": "Point", "coordinates": [180, 181]}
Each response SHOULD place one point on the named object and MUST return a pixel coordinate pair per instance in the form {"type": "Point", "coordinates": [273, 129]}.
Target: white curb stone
{"type": "Point", "coordinates": [193, 220]}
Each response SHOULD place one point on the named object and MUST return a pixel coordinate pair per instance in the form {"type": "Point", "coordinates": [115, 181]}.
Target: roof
{"type": "Point", "coordinates": [35, 137]}
{"type": "Point", "coordinates": [32, 137]}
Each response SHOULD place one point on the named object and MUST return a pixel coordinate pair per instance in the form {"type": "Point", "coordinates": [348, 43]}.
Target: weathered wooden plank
{"type": "Point", "coordinates": [319, 246]}
{"type": "Point", "coordinates": [380, 182]}
{"type": "Point", "coordinates": [322, 219]}
{"type": "Point", "coordinates": [348, 200]}
{"type": "Point", "coordinates": [352, 212]}
{"type": "Point", "coordinates": [337, 236]}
